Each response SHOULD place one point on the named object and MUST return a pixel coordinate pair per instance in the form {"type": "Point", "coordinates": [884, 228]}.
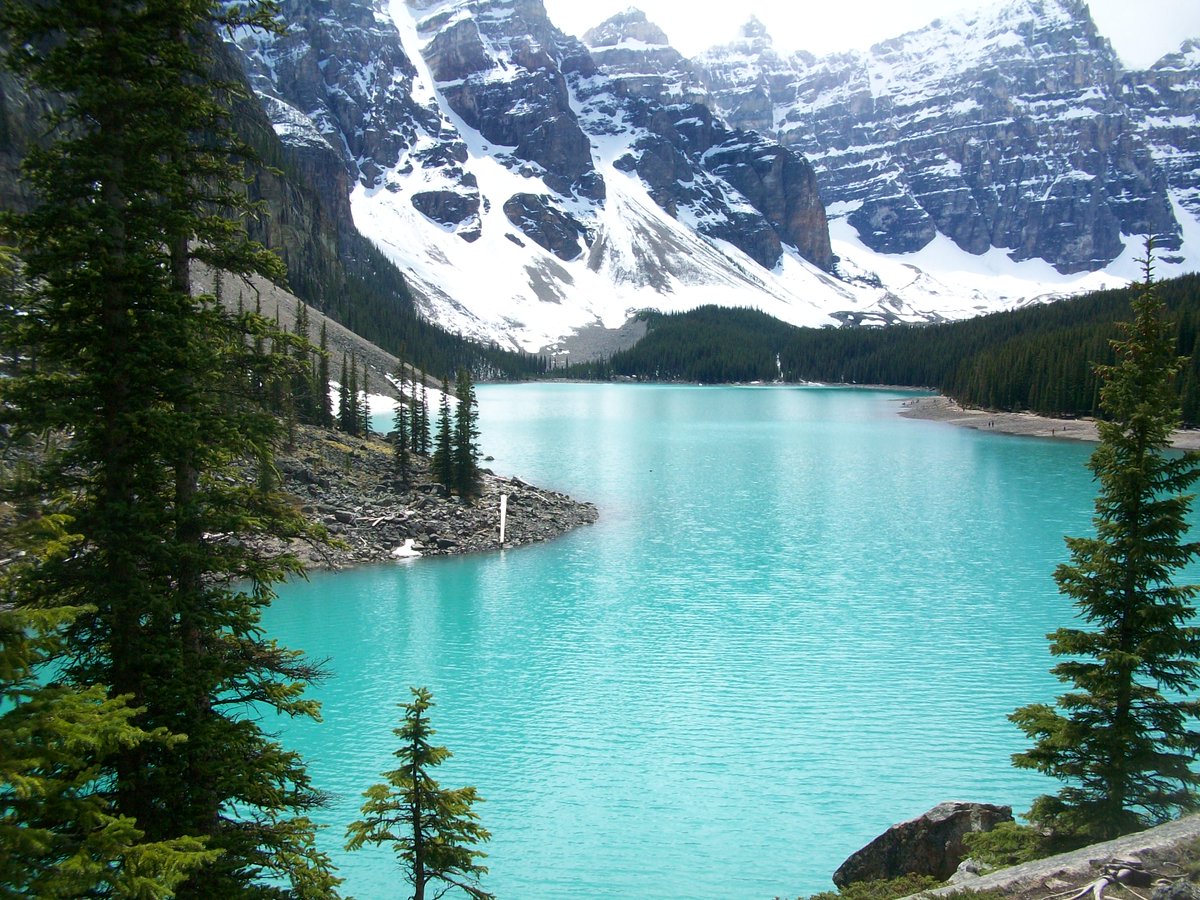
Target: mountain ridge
{"type": "Point", "coordinates": [589, 182]}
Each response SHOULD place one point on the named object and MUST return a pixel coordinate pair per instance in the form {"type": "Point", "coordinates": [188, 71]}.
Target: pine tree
{"type": "Point", "coordinates": [433, 830]}
{"type": "Point", "coordinates": [416, 408]}
{"type": "Point", "coordinates": [352, 417]}
{"type": "Point", "coordinates": [466, 433]}
{"type": "Point", "coordinates": [1123, 740]}
{"type": "Point", "coordinates": [420, 422]}
{"type": "Point", "coordinates": [304, 388]}
{"type": "Point", "coordinates": [59, 830]}
{"type": "Point", "coordinates": [158, 388]}
{"type": "Point", "coordinates": [364, 406]}
{"type": "Point", "coordinates": [344, 396]}
{"type": "Point", "coordinates": [324, 401]}
{"type": "Point", "coordinates": [442, 464]}
{"type": "Point", "coordinates": [402, 432]}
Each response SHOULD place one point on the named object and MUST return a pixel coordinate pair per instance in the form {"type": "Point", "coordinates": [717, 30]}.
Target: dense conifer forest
{"type": "Point", "coordinates": [1040, 358]}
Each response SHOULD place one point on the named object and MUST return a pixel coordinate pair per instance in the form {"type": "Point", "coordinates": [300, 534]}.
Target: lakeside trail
{"type": "Point", "coordinates": [943, 409]}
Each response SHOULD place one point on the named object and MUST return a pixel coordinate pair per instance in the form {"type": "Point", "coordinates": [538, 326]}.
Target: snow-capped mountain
{"type": "Point", "coordinates": [1014, 128]}
{"type": "Point", "coordinates": [531, 184]}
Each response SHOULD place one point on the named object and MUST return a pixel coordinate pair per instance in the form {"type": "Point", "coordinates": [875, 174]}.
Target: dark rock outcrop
{"type": "Point", "coordinates": [930, 844]}
{"type": "Point", "coordinates": [635, 54]}
{"type": "Point", "coordinates": [342, 69]}
{"type": "Point", "coordinates": [23, 114]}
{"type": "Point", "coordinates": [529, 108]}
{"type": "Point", "coordinates": [690, 158]}
{"type": "Point", "coordinates": [451, 208]}
{"type": "Point", "coordinates": [548, 227]}
{"type": "Point", "coordinates": [1165, 101]}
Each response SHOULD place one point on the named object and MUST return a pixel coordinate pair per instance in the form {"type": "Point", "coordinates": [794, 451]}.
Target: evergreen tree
{"type": "Point", "coordinates": [364, 407]}
{"type": "Point", "coordinates": [466, 433]}
{"type": "Point", "coordinates": [1123, 740]}
{"type": "Point", "coordinates": [156, 386]}
{"type": "Point", "coordinates": [345, 408]}
{"type": "Point", "coordinates": [442, 464]}
{"type": "Point", "coordinates": [304, 388]}
{"type": "Point", "coordinates": [420, 427]}
{"type": "Point", "coordinates": [433, 830]}
{"type": "Point", "coordinates": [324, 401]}
{"type": "Point", "coordinates": [352, 418]}
{"type": "Point", "coordinates": [58, 827]}
{"type": "Point", "coordinates": [402, 432]}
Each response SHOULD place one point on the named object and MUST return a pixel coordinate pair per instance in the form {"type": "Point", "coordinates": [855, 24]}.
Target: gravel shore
{"type": "Point", "coordinates": [943, 409]}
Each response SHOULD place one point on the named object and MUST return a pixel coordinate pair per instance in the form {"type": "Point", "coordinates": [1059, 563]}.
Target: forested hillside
{"type": "Point", "coordinates": [1039, 359]}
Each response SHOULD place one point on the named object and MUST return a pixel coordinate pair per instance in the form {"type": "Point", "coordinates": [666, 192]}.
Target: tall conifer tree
{"type": "Point", "coordinates": [442, 464]}
{"type": "Point", "coordinates": [352, 419]}
{"type": "Point", "coordinates": [466, 434]}
{"type": "Point", "coordinates": [154, 384]}
{"type": "Point", "coordinates": [364, 406]}
{"type": "Point", "coordinates": [324, 401]}
{"type": "Point", "coordinates": [402, 431]}
{"type": "Point", "coordinates": [345, 408]}
{"type": "Point", "coordinates": [420, 422]}
{"type": "Point", "coordinates": [1124, 739]}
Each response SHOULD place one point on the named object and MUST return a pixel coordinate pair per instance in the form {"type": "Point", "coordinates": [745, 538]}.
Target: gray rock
{"type": "Point", "coordinates": [447, 207]}
{"type": "Point", "coordinates": [545, 224]}
{"type": "Point", "coordinates": [1041, 144]}
{"type": "Point", "coordinates": [968, 870]}
{"type": "Point", "coordinates": [1176, 890]}
{"type": "Point", "coordinates": [1162, 849]}
{"type": "Point", "coordinates": [931, 844]}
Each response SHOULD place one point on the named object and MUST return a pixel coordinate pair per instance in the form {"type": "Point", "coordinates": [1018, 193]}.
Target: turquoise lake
{"type": "Point", "coordinates": [800, 619]}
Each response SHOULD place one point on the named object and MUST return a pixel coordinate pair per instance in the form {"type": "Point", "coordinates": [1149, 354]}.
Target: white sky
{"type": "Point", "coordinates": [1141, 31]}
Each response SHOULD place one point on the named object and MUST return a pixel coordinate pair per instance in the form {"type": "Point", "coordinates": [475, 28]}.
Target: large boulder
{"type": "Point", "coordinates": [931, 844]}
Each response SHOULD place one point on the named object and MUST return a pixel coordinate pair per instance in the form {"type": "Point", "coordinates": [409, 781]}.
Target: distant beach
{"type": "Point", "coordinates": [943, 409]}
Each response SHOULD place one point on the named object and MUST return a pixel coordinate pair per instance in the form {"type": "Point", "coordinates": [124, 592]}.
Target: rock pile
{"type": "Point", "coordinates": [349, 486]}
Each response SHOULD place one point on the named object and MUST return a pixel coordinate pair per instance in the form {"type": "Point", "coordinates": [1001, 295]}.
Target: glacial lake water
{"type": "Point", "coordinates": [800, 619]}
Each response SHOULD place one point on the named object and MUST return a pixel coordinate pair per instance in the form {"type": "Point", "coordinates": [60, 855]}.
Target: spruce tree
{"type": "Point", "coordinates": [324, 401]}
{"type": "Point", "coordinates": [442, 464]}
{"type": "Point", "coordinates": [1123, 740]}
{"type": "Point", "coordinates": [420, 422]}
{"type": "Point", "coordinates": [304, 389]}
{"type": "Point", "coordinates": [352, 418]}
{"type": "Point", "coordinates": [157, 387]}
{"type": "Point", "coordinates": [59, 828]}
{"type": "Point", "coordinates": [364, 406]}
{"type": "Point", "coordinates": [416, 408]}
{"type": "Point", "coordinates": [433, 830]}
{"type": "Point", "coordinates": [402, 432]}
{"type": "Point", "coordinates": [466, 434]}
{"type": "Point", "coordinates": [345, 408]}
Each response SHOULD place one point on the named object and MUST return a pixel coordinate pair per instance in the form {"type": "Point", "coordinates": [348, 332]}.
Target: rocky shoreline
{"type": "Point", "coordinates": [349, 486]}
{"type": "Point", "coordinates": [943, 409]}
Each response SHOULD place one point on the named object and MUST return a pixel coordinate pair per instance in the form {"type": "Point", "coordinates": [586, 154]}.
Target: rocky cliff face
{"type": "Point", "coordinates": [478, 119]}
{"type": "Point", "coordinates": [1164, 102]}
{"type": "Point", "coordinates": [530, 184]}
{"type": "Point", "coordinates": [1013, 128]}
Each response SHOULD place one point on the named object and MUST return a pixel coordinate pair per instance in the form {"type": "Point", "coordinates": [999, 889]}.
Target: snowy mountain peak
{"type": "Point", "coordinates": [631, 25]}
{"type": "Point", "coordinates": [532, 186]}
{"type": "Point", "coordinates": [1002, 128]}
{"type": "Point", "coordinates": [755, 30]}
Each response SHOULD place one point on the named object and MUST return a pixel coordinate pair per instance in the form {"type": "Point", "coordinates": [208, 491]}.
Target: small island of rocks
{"type": "Point", "coordinates": [349, 486]}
